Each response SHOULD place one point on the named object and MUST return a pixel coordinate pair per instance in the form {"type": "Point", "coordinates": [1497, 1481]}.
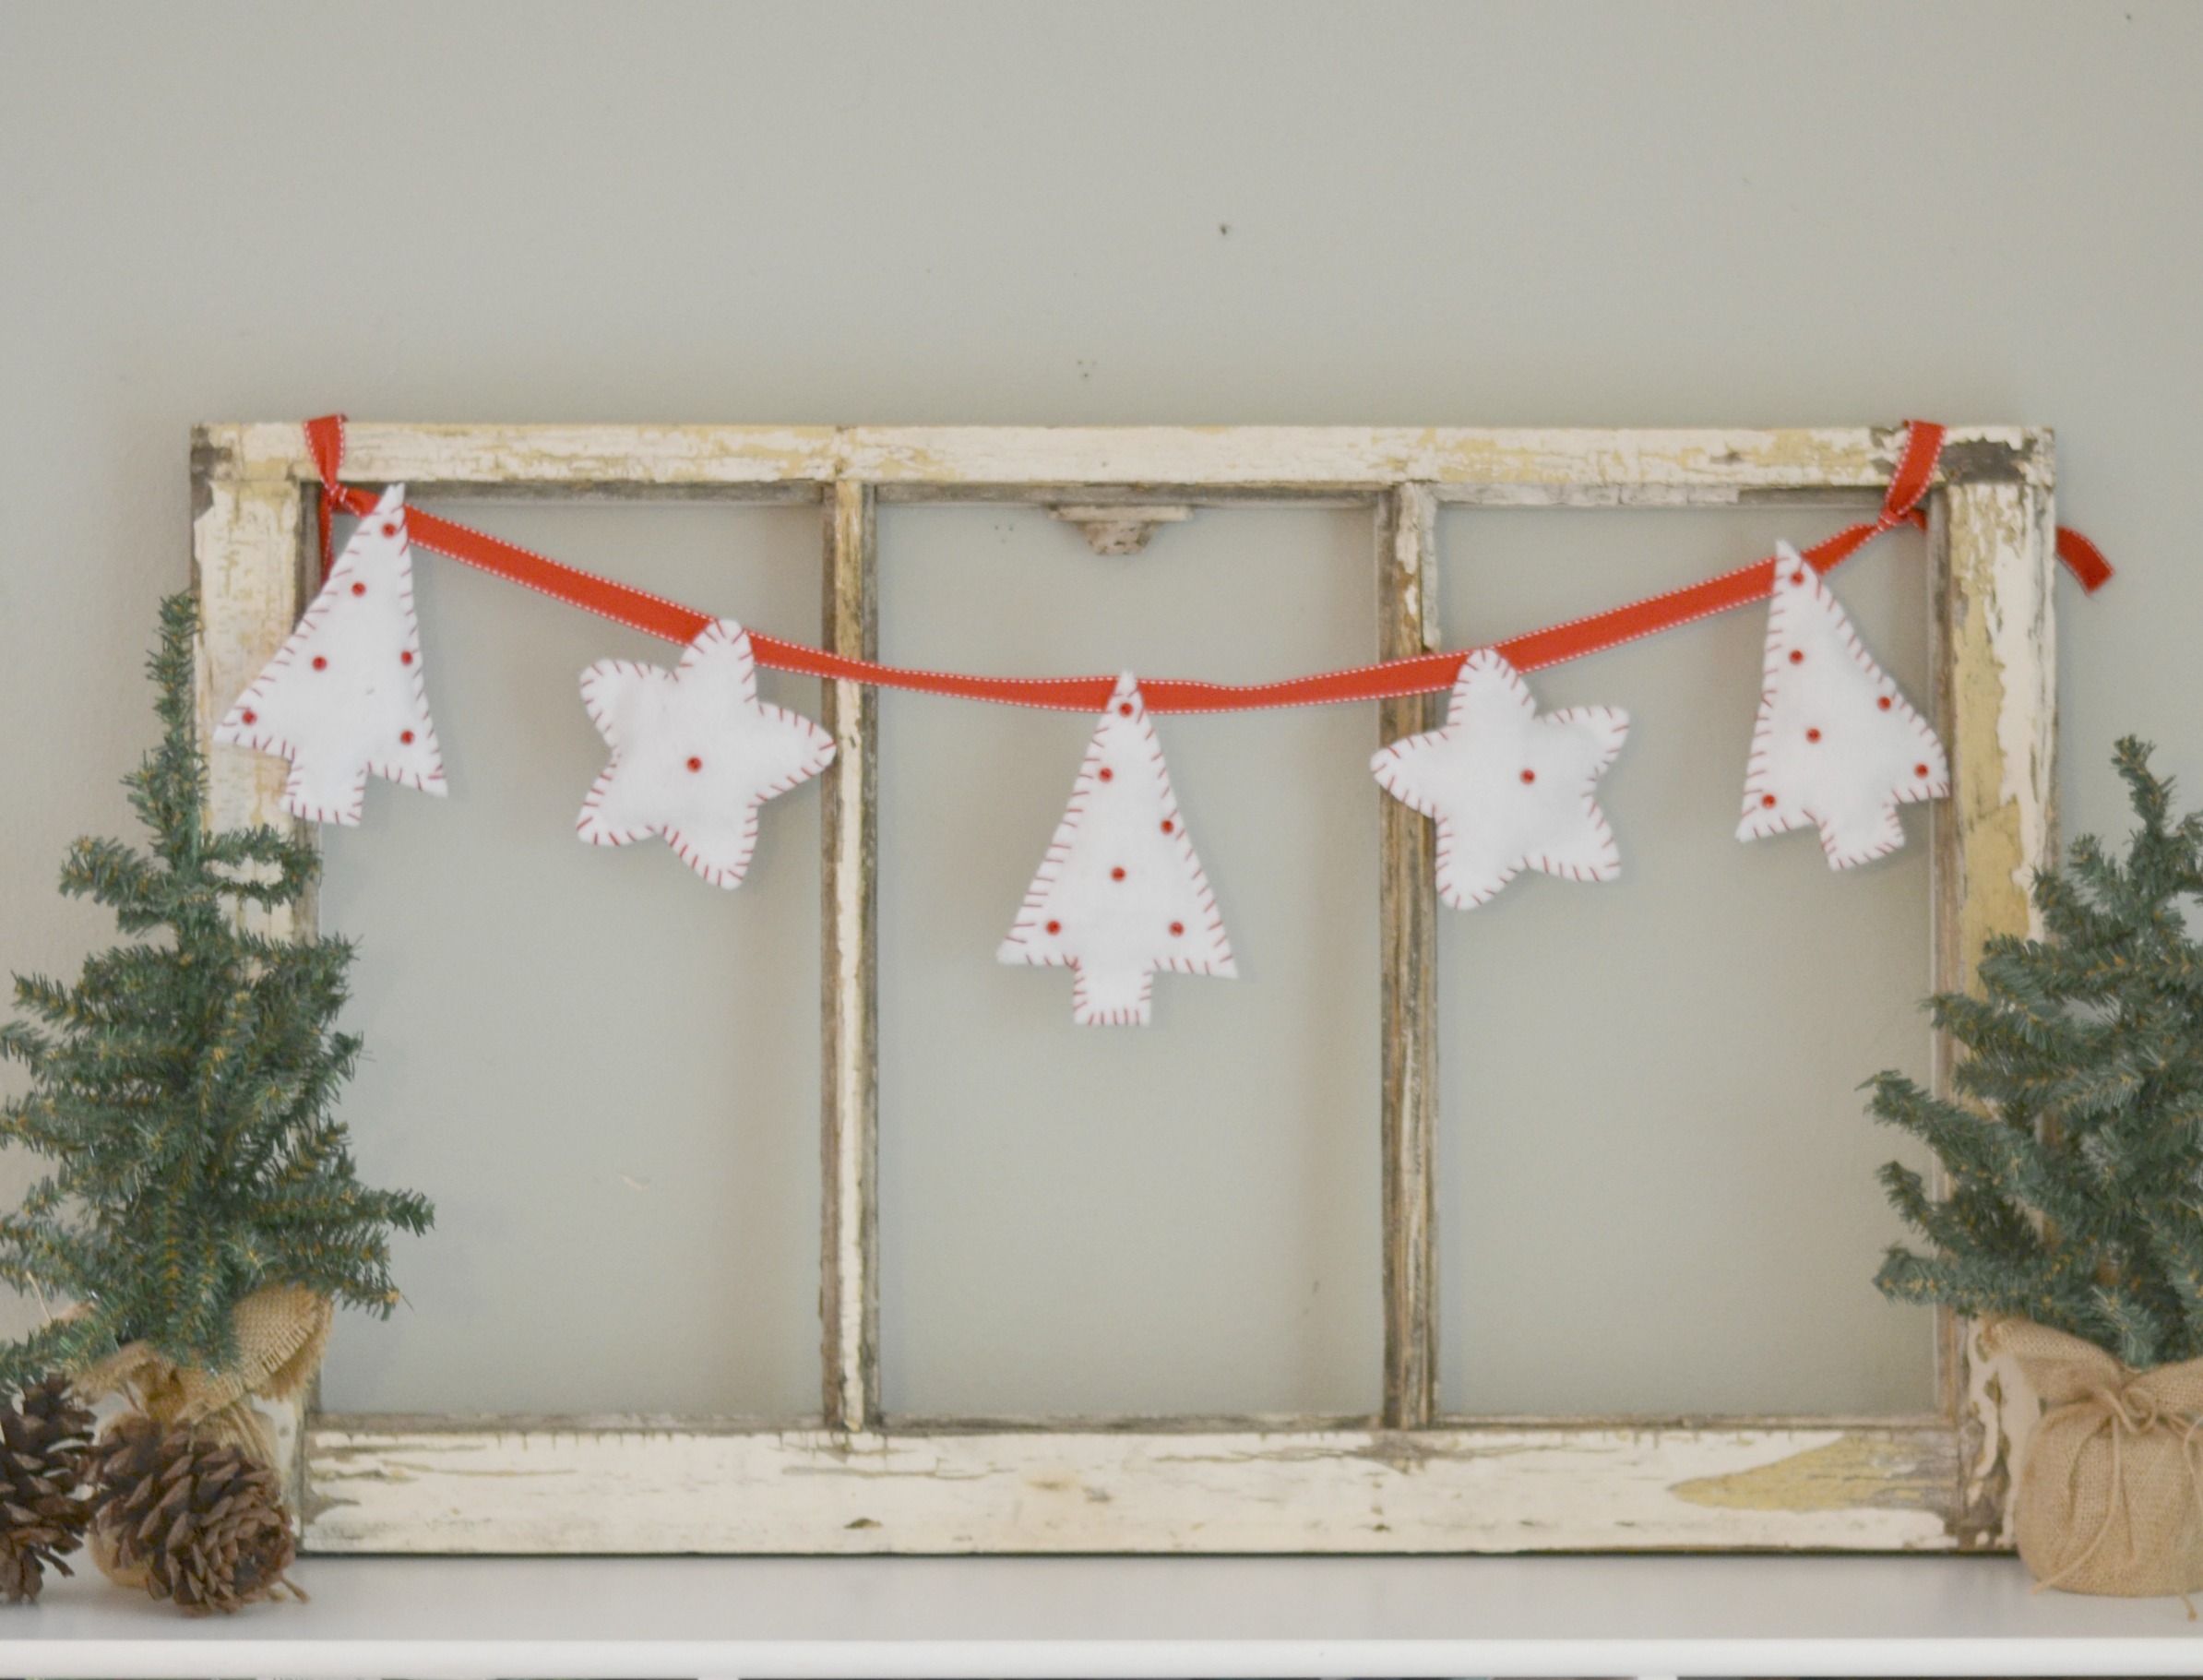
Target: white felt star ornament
{"type": "Point", "coordinates": [343, 695]}
{"type": "Point", "coordinates": [1837, 745]}
{"type": "Point", "coordinates": [693, 752]}
{"type": "Point", "coordinates": [1510, 788]}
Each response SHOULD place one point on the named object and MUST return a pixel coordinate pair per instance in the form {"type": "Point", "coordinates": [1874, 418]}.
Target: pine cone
{"type": "Point", "coordinates": [198, 1523]}
{"type": "Point", "coordinates": [43, 1444]}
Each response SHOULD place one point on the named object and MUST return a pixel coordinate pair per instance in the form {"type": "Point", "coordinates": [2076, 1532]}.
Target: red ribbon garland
{"type": "Point", "coordinates": [1422, 674]}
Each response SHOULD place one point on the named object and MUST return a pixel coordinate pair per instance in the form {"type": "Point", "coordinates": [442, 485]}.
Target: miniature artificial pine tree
{"type": "Point", "coordinates": [184, 1086]}
{"type": "Point", "coordinates": [2074, 1156]}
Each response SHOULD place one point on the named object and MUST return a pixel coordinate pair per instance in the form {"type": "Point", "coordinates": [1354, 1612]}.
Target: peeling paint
{"type": "Point", "coordinates": [565, 1486]}
{"type": "Point", "coordinates": [1069, 457]}
{"type": "Point", "coordinates": [1999, 675]}
{"type": "Point", "coordinates": [1467, 1490]}
{"type": "Point", "coordinates": [1854, 1471]}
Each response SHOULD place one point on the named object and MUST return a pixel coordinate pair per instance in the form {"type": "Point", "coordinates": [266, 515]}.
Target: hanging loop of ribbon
{"type": "Point", "coordinates": [324, 442]}
{"type": "Point", "coordinates": [1393, 679]}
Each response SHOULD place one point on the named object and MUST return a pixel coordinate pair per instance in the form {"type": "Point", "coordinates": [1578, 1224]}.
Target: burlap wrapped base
{"type": "Point", "coordinates": [281, 1334]}
{"type": "Point", "coordinates": [2111, 1481]}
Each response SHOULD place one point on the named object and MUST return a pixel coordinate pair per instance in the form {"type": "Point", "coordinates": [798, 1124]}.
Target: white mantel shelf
{"type": "Point", "coordinates": [955, 1618]}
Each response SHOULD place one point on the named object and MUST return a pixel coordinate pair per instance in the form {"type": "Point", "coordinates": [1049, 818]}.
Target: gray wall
{"type": "Point", "coordinates": [1547, 214]}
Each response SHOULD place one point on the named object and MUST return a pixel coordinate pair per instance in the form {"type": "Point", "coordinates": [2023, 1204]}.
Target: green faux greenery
{"type": "Point", "coordinates": [185, 1087]}
{"type": "Point", "coordinates": [2074, 1153]}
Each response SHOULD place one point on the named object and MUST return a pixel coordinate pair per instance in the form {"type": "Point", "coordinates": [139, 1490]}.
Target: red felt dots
{"type": "Point", "coordinates": [1169, 826]}
{"type": "Point", "coordinates": [359, 589]}
{"type": "Point", "coordinates": [1920, 769]}
{"type": "Point", "coordinates": [1530, 774]}
{"type": "Point", "coordinates": [1798, 578]}
{"type": "Point", "coordinates": [249, 717]}
{"type": "Point", "coordinates": [1055, 927]}
{"type": "Point", "coordinates": [405, 736]}
{"type": "Point", "coordinates": [1797, 656]}
{"type": "Point", "coordinates": [389, 531]}
{"type": "Point", "coordinates": [695, 764]}
{"type": "Point", "coordinates": [320, 663]}
{"type": "Point", "coordinates": [1177, 928]}
{"type": "Point", "coordinates": [1117, 874]}
{"type": "Point", "coordinates": [1767, 800]}
{"type": "Point", "coordinates": [1108, 774]}
{"type": "Point", "coordinates": [1123, 708]}
{"type": "Point", "coordinates": [1883, 702]}
{"type": "Point", "coordinates": [405, 658]}
{"type": "Point", "coordinates": [1813, 734]}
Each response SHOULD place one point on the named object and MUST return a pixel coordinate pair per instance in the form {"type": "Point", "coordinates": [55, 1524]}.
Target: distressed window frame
{"type": "Point", "coordinates": [1408, 1480]}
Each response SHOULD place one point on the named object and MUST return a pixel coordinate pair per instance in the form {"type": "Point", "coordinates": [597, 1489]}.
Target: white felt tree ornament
{"type": "Point", "coordinates": [344, 696]}
{"type": "Point", "coordinates": [1837, 745]}
{"type": "Point", "coordinates": [1510, 787]}
{"type": "Point", "coordinates": [693, 752]}
{"type": "Point", "coordinates": [1120, 893]}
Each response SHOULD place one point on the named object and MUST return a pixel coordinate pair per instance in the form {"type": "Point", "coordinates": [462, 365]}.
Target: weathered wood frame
{"type": "Point", "coordinates": [1408, 1480]}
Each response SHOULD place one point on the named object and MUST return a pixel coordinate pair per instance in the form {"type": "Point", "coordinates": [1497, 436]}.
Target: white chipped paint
{"type": "Point", "coordinates": [1527, 464]}
{"type": "Point", "coordinates": [385, 1486]}
{"type": "Point", "coordinates": [244, 551]}
{"type": "Point", "coordinates": [1493, 1490]}
{"type": "Point", "coordinates": [849, 1189]}
{"type": "Point", "coordinates": [2023, 632]}
{"type": "Point", "coordinates": [848, 1288]}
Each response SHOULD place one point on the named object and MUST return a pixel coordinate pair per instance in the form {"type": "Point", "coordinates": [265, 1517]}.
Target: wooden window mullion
{"type": "Point", "coordinates": [1992, 567]}
{"type": "Point", "coordinates": [522, 1484]}
{"type": "Point", "coordinates": [1408, 908]}
{"type": "Point", "coordinates": [849, 1129]}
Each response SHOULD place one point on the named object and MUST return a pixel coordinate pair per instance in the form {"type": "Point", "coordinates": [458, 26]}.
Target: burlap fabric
{"type": "Point", "coordinates": [281, 1332]}
{"type": "Point", "coordinates": [2111, 1480]}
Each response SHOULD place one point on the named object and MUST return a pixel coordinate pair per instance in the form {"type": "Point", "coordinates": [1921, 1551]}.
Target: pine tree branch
{"type": "Point", "coordinates": [64, 1344]}
{"type": "Point", "coordinates": [184, 1089]}
{"type": "Point", "coordinates": [2075, 1155]}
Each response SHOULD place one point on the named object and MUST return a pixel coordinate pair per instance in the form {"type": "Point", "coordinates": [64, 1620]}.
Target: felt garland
{"type": "Point", "coordinates": [1120, 894]}
{"type": "Point", "coordinates": [345, 696]}
{"type": "Point", "coordinates": [1835, 746]}
{"type": "Point", "coordinates": [1420, 673]}
{"type": "Point", "coordinates": [693, 752]}
{"type": "Point", "coordinates": [1509, 787]}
